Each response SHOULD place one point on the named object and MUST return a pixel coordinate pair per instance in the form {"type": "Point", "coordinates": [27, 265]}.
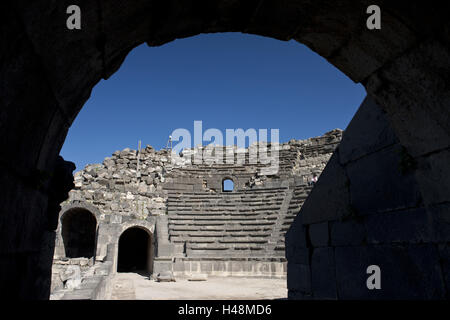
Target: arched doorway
{"type": "Point", "coordinates": [135, 253]}
{"type": "Point", "coordinates": [79, 230]}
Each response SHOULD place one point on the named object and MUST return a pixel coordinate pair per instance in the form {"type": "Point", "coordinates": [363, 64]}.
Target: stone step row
{"type": "Point", "coordinates": [223, 206]}
{"type": "Point", "coordinates": [211, 233]}
{"type": "Point", "coordinates": [231, 227]}
{"type": "Point", "coordinates": [270, 235]}
{"type": "Point", "coordinates": [237, 224]}
{"type": "Point", "coordinates": [202, 214]}
{"type": "Point", "coordinates": [221, 240]}
{"type": "Point", "coordinates": [243, 211]}
{"type": "Point", "coordinates": [205, 222]}
{"type": "Point", "coordinates": [298, 199]}
{"type": "Point", "coordinates": [211, 217]}
{"type": "Point", "coordinates": [240, 250]}
{"type": "Point", "coordinates": [248, 250]}
{"type": "Point", "coordinates": [224, 216]}
{"type": "Point", "coordinates": [210, 238]}
{"type": "Point", "coordinates": [270, 203]}
{"type": "Point", "coordinates": [226, 254]}
{"type": "Point", "coordinates": [240, 212]}
{"type": "Point", "coordinates": [228, 196]}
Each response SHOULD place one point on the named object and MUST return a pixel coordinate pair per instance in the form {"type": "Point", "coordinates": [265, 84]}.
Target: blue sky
{"type": "Point", "coordinates": [228, 80]}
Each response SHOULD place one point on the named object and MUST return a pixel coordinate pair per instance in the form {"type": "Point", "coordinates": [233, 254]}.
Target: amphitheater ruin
{"type": "Point", "coordinates": [141, 210]}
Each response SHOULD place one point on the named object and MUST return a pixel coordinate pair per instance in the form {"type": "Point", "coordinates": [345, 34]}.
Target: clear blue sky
{"type": "Point", "coordinates": [228, 80]}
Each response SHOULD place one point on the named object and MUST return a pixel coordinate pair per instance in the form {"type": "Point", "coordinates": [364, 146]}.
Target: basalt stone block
{"type": "Point", "coordinates": [237, 266]}
{"type": "Point", "coordinates": [345, 233]}
{"type": "Point", "coordinates": [179, 266]}
{"type": "Point", "coordinates": [103, 239]}
{"type": "Point", "coordinates": [219, 266]}
{"type": "Point", "coordinates": [21, 196]}
{"type": "Point", "coordinates": [423, 127]}
{"type": "Point", "coordinates": [365, 53]}
{"type": "Point", "coordinates": [381, 182]}
{"type": "Point", "coordinates": [298, 255]}
{"type": "Point", "coordinates": [407, 226]}
{"type": "Point", "coordinates": [426, 263]}
{"type": "Point", "coordinates": [299, 277]}
{"type": "Point", "coordinates": [179, 249]}
{"type": "Point", "coordinates": [329, 199]}
{"type": "Point", "coordinates": [440, 216]}
{"type": "Point", "coordinates": [407, 272]}
{"type": "Point", "coordinates": [162, 265]}
{"type": "Point", "coordinates": [369, 131]}
{"type": "Point", "coordinates": [444, 254]}
{"type": "Point", "coordinates": [165, 276]}
{"type": "Point", "coordinates": [433, 174]}
{"type": "Point", "coordinates": [206, 267]}
{"type": "Point", "coordinates": [319, 234]}
{"type": "Point", "coordinates": [296, 236]}
{"type": "Point", "coordinates": [323, 278]}
{"type": "Point", "coordinates": [115, 218]}
{"type": "Point", "coordinates": [165, 249]}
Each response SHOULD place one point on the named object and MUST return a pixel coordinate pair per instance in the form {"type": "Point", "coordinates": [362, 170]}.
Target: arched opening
{"type": "Point", "coordinates": [388, 67]}
{"type": "Point", "coordinates": [79, 230]}
{"type": "Point", "coordinates": [227, 185]}
{"type": "Point", "coordinates": [235, 92]}
{"type": "Point", "coordinates": [135, 251]}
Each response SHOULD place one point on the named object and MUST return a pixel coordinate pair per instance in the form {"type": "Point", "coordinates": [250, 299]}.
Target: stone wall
{"type": "Point", "coordinates": [196, 227]}
{"type": "Point", "coordinates": [375, 214]}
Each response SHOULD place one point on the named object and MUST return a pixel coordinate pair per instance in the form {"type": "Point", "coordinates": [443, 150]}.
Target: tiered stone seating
{"type": "Point", "coordinates": [238, 223]}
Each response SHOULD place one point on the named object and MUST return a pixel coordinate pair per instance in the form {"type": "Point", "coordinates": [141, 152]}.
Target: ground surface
{"type": "Point", "coordinates": [132, 286]}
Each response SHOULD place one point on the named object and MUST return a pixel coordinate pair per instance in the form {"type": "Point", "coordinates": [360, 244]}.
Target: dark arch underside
{"type": "Point", "coordinates": [48, 72]}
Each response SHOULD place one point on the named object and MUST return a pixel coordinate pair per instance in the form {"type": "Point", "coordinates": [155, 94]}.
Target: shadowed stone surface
{"type": "Point", "coordinates": [387, 223]}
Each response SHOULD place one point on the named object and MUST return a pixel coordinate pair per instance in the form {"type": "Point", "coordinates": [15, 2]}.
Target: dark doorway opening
{"type": "Point", "coordinates": [79, 229]}
{"type": "Point", "coordinates": [134, 251]}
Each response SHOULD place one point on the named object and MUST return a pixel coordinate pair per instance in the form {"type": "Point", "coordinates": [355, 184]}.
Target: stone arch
{"type": "Point", "coordinates": [60, 68]}
{"type": "Point", "coordinates": [80, 205]}
{"type": "Point", "coordinates": [135, 248]}
{"type": "Point", "coordinates": [78, 232]}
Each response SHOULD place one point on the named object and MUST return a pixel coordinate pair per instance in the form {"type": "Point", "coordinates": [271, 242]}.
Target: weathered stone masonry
{"type": "Point", "coordinates": [195, 226]}
{"type": "Point", "coordinates": [374, 214]}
